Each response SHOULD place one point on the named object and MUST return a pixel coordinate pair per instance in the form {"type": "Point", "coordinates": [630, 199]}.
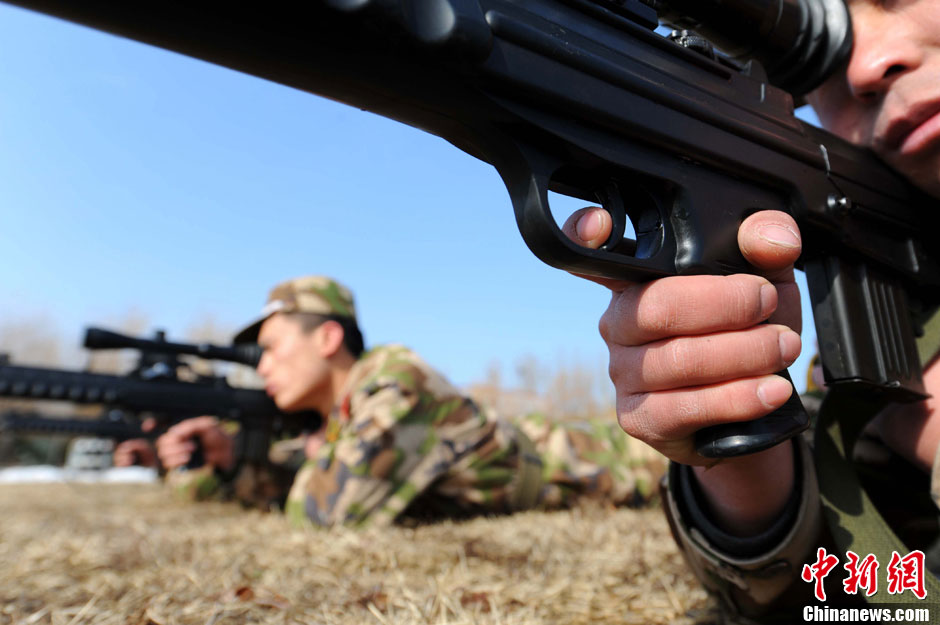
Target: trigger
{"type": "Point", "coordinates": [612, 201]}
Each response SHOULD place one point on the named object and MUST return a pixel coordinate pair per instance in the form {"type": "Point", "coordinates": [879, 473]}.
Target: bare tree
{"type": "Point", "coordinates": [33, 340]}
{"type": "Point", "coordinates": [568, 388]}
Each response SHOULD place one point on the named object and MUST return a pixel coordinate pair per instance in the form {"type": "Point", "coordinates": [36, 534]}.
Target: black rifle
{"type": "Point", "coordinates": [585, 98]}
{"type": "Point", "coordinates": [158, 387]}
{"type": "Point", "coordinates": [112, 425]}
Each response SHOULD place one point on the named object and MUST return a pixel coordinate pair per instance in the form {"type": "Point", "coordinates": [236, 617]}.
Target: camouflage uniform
{"type": "Point", "coordinates": [402, 441]}
{"type": "Point", "coordinates": [757, 580]}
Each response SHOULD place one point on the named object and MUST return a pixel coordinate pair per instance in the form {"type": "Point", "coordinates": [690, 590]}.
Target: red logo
{"type": "Point", "coordinates": [907, 573]}
{"type": "Point", "coordinates": [818, 571]}
{"type": "Point", "coordinates": [862, 574]}
{"type": "Point", "coordinates": [903, 573]}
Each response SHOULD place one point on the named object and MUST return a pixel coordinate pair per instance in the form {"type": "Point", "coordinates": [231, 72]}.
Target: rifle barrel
{"type": "Point", "coordinates": [102, 427]}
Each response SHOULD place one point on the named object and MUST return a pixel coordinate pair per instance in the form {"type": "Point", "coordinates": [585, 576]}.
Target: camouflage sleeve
{"type": "Point", "coordinates": [593, 459]}
{"type": "Point", "coordinates": [197, 484]}
{"type": "Point", "coordinates": [394, 446]}
{"type": "Point", "coordinates": [755, 577]}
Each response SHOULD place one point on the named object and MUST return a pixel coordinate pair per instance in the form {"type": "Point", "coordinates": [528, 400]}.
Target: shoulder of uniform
{"type": "Point", "coordinates": [389, 365]}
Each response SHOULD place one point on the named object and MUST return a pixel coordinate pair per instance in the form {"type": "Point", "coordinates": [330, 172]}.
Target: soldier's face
{"type": "Point", "coordinates": [295, 373]}
{"type": "Point", "coordinates": [888, 97]}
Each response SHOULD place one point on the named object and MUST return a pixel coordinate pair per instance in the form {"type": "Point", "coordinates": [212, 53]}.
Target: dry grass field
{"type": "Point", "coordinates": [129, 554]}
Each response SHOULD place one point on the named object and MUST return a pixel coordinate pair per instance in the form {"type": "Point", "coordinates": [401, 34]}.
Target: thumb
{"type": "Point", "coordinates": [770, 240]}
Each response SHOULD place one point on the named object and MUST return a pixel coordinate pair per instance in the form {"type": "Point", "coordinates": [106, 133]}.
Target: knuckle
{"type": "Point", "coordinates": [652, 320]}
{"type": "Point", "coordinates": [683, 359]}
{"type": "Point", "coordinates": [623, 369]}
{"type": "Point", "coordinates": [768, 345]}
{"type": "Point", "coordinates": [634, 416]}
{"type": "Point", "coordinates": [736, 406]}
{"type": "Point", "coordinates": [746, 301]}
{"type": "Point", "coordinates": [689, 407]}
{"type": "Point", "coordinates": [613, 321]}
{"type": "Point", "coordinates": [658, 313]}
{"type": "Point", "coordinates": [740, 402]}
{"type": "Point", "coordinates": [613, 372]}
{"type": "Point", "coordinates": [603, 326]}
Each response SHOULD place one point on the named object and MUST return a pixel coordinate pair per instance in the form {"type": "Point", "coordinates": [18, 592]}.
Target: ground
{"type": "Point", "coordinates": [130, 554]}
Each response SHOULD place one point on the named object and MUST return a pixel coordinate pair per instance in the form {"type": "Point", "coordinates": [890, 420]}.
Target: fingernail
{"type": "Point", "coordinates": [768, 299]}
{"type": "Point", "coordinates": [790, 345]}
{"type": "Point", "coordinates": [589, 226]}
{"type": "Point", "coordinates": [779, 235]}
{"type": "Point", "coordinates": [774, 391]}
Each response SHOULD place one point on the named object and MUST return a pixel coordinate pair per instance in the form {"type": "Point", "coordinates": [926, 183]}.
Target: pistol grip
{"type": "Point", "coordinates": [198, 457]}
{"type": "Point", "coordinates": [747, 437]}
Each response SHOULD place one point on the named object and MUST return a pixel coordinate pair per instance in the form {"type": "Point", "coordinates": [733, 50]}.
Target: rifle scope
{"type": "Point", "coordinates": [799, 42]}
{"type": "Point", "coordinates": [98, 338]}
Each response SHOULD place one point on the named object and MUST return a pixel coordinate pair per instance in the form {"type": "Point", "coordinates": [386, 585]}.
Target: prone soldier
{"type": "Point", "coordinates": [400, 440]}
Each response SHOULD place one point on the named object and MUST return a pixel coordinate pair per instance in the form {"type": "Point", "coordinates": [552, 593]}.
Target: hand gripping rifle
{"type": "Point", "coordinates": [158, 388]}
{"type": "Point", "coordinates": [586, 98]}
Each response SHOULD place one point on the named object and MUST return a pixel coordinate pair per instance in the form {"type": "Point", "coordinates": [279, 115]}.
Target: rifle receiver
{"type": "Point", "coordinates": [799, 42]}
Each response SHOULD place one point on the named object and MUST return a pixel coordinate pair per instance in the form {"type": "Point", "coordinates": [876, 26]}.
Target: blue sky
{"type": "Point", "coordinates": [132, 178]}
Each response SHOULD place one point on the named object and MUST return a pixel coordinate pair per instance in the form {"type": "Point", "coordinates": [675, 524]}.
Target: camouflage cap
{"type": "Point", "coordinates": [310, 294]}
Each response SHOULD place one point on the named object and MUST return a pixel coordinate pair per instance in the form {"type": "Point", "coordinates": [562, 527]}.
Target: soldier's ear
{"type": "Point", "coordinates": [329, 338]}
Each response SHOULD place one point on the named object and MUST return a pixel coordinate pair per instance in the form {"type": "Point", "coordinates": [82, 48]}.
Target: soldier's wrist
{"type": "Point", "coordinates": [745, 495]}
{"type": "Point", "coordinates": [697, 513]}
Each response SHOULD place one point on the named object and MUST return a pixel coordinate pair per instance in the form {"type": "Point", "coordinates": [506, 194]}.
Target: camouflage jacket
{"type": "Point", "coordinates": [758, 580]}
{"type": "Point", "coordinates": [403, 441]}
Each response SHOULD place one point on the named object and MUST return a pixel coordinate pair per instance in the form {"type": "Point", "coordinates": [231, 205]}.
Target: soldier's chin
{"type": "Point", "coordinates": [285, 402]}
{"type": "Point", "coordinates": [922, 169]}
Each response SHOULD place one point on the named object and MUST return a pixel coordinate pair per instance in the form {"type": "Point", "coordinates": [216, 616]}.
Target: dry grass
{"type": "Point", "coordinates": [127, 554]}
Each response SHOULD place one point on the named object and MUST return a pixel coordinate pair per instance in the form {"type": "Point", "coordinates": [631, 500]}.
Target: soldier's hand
{"type": "Point", "coordinates": [688, 352]}
{"type": "Point", "coordinates": [136, 451]}
{"type": "Point", "coordinates": [177, 445]}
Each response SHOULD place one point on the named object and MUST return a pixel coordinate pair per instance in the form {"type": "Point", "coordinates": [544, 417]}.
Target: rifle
{"type": "Point", "coordinates": [112, 425]}
{"type": "Point", "coordinates": [52, 432]}
{"type": "Point", "coordinates": [675, 139]}
{"type": "Point", "coordinates": [157, 387]}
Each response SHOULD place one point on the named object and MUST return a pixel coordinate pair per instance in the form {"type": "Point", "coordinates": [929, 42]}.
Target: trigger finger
{"type": "Point", "coordinates": [590, 227]}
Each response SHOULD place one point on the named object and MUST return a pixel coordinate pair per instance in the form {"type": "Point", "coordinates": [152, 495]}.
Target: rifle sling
{"type": "Point", "coordinates": [855, 523]}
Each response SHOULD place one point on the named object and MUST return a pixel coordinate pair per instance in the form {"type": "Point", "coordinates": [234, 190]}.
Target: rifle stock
{"type": "Point", "coordinates": [585, 98]}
